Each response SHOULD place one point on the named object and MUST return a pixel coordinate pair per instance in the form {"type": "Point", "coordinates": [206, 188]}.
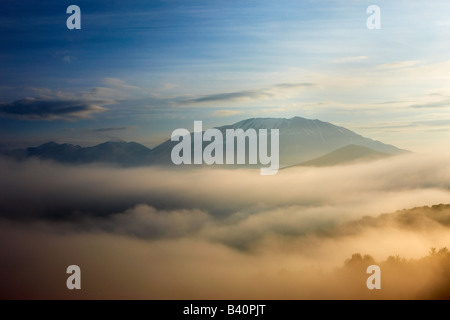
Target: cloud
{"type": "Point", "coordinates": [399, 64]}
{"type": "Point", "coordinates": [263, 93]}
{"type": "Point", "coordinates": [118, 83]}
{"type": "Point", "coordinates": [155, 233]}
{"type": "Point", "coordinates": [99, 190]}
{"type": "Point", "coordinates": [167, 86]}
{"type": "Point", "coordinates": [434, 123]}
{"type": "Point", "coordinates": [190, 268]}
{"type": "Point", "coordinates": [147, 222]}
{"type": "Point", "coordinates": [43, 109]}
{"type": "Point", "coordinates": [110, 133]}
{"type": "Point", "coordinates": [226, 113]}
{"type": "Point", "coordinates": [294, 85]}
{"type": "Point", "coordinates": [112, 129]}
{"type": "Point", "coordinates": [435, 104]}
{"type": "Point", "coordinates": [231, 96]}
{"type": "Point", "coordinates": [350, 59]}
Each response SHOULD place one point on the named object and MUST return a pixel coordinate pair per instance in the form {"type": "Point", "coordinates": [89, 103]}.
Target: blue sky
{"type": "Point", "coordinates": [137, 70]}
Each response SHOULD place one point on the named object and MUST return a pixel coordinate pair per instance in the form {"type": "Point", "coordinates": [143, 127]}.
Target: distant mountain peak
{"type": "Point", "coordinates": [49, 144]}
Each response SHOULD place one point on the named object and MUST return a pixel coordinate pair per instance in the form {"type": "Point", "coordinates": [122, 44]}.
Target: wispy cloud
{"type": "Point", "coordinates": [231, 96]}
{"type": "Point", "coordinates": [118, 83]}
{"type": "Point", "coordinates": [435, 104]}
{"type": "Point", "coordinates": [350, 59]}
{"type": "Point", "coordinates": [43, 109]}
{"type": "Point", "coordinates": [226, 113]}
{"type": "Point", "coordinates": [399, 64]}
{"type": "Point", "coordinates": [112, 129]}
{"type": "Point", "coordinates": [263, 93]}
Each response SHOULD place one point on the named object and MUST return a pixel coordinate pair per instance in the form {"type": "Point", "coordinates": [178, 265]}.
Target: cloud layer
{"type": "Point", "coordinates": [212, 233]}
{"type": "Point", "coordinates": [44, 109]}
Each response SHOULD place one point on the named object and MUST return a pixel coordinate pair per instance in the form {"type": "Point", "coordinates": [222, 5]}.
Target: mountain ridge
{"type": "Point", "coordinates": [301, 140]}
{"type": "Point", "coordinates": [345, 155]}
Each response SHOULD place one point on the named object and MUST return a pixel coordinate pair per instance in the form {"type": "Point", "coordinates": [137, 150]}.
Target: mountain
{"type": "Point", "coordinates": [303, 139]}
{"type": "Point", "coordinates": [346, 155]}
{"type": "Point", "coordinates": [300, 140]}
{"type": "Point", "coordinates": [122, 153]}
{"type": "Point", "coordinates": [119, 153]}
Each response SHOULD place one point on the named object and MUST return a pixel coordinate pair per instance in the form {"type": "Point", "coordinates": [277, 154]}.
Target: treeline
{"type": "Point", "coordinates": [401, 278]}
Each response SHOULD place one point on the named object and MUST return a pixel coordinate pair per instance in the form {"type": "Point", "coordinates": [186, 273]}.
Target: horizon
{"type": "Point", "coordinates": [113, 139]}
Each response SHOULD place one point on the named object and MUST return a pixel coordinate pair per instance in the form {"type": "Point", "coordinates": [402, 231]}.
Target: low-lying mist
{"type": "Point", "coordinates": [203, 233]}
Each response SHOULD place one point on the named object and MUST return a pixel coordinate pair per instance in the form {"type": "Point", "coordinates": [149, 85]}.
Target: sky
{"type": "Point", "coordinates": [138, 70]}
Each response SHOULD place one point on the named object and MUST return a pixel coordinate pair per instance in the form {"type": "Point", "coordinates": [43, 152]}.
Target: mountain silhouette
{"type": "Point", "coordinates": [119, 153]}
{"type": "Point", "coordinates": [301, 140]}
{"type": "Point", "coordinates": [346, 155]}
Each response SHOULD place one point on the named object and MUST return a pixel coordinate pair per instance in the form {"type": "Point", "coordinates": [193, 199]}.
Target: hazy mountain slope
{"type": "Point", "coordinates": [348, 154]}
{"type": "Point", "coordinates": [415, 219]}
{"type": "Point", "coordinates": [123, 153]}
{"type": "Point", "coordinates": [300, 139]}
{"type": "Point", "coordinates": [119, 153]}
